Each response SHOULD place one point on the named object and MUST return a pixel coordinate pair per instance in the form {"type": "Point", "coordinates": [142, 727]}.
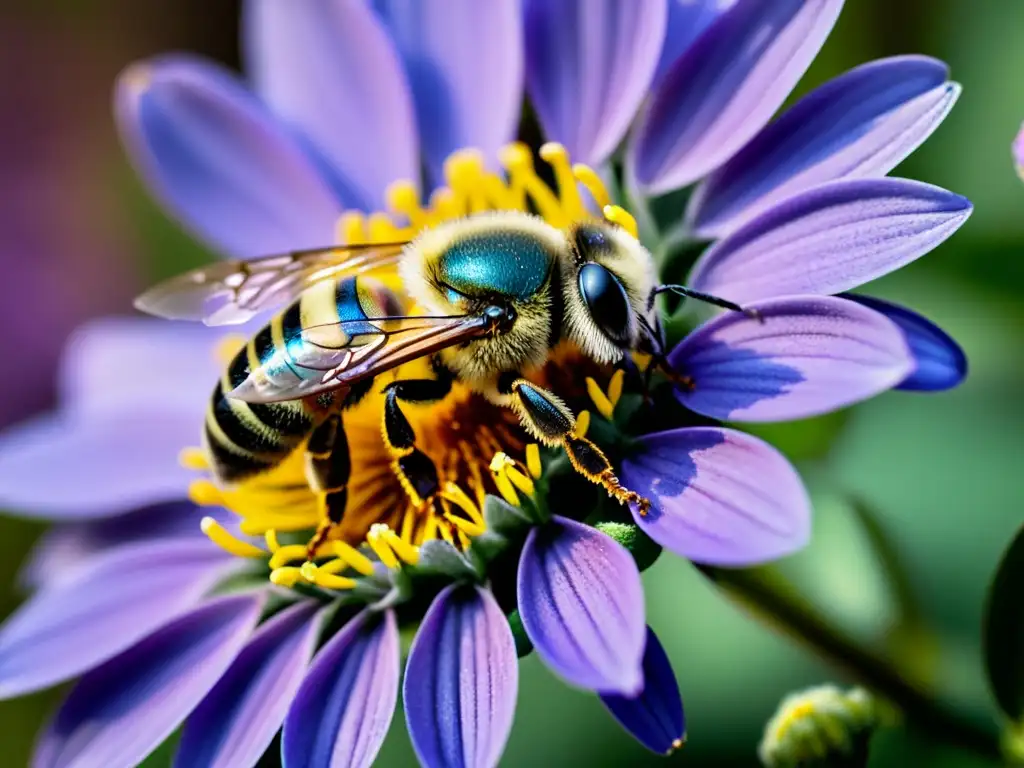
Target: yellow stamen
{"type": "Point", "coordinates": [622, 217]}
{"type": "Point", "coordinates": [533, 460]}
{"type": "Point", "coordinates": [589, 179]}
{"type": "Point", "coordinates": [287, 554]}
{"type": "Point", "coordinates": [520, 481]}
{"type": "Point", "coordinates": [403, 198]}
{"type": "Point", "coordinates": [615, 387]}
{"type": "Point", "coordinates": [582, 424]}
{"type": "Point", "coordinates": [601, 402]}
{"type": "Point", "coordinates": [519, 163]}
{"type": "Point", "coordinates": [285, 577]}
{"type": "Point", "coordinates": [348, 554]}
{"type": "Point", "coordinates": [499, 470]}
{"type": "Point", "coordinates": [205, 494]}
{"type": "Point", "coordinates": [459, 498]}
{"type": "Point", "coordinates": [271, 538]}
{"type": "Point", "coordinates": [464, 172]}
{"type": "Point", "coordinates": [351, 228]}
{"type": "Point", "coordinates": [557, 157]}
{"type": "Point", "coordinates": [406, 552]}
{"type": "Point", "coordinates": [193, 458]}
{"type": "Point", "coordinates": [324, 576]}
{"type": "Point", "coordinates": [224, 539]}
{"type": "Point", "coordinates": [378, 543]}
{"type": "Point", "coordinates": [465, 526]}
{"type": "Point", "coordinates": [382, 229]}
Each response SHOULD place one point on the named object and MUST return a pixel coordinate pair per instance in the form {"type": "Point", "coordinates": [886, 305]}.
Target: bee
{"type": "Point", "coordinates": [484, 298]}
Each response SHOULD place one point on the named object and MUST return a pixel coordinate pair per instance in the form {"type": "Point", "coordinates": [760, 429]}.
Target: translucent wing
{"type": "Point", "coordinates": [336, 355]}
{"type": "Point", "coordinates": [232, 292]}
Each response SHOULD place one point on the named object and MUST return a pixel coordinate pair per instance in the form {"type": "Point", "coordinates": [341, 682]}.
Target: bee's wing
{"type": "Point", "coordinates": [232, 292]}
{"type": "Point", "coordinates": [336, 355]}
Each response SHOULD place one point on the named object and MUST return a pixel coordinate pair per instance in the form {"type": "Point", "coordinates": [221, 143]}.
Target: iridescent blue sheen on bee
{"type": "Point", "coordinates": [508, 263]}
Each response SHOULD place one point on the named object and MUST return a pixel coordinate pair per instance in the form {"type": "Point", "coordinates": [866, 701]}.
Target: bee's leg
{"type": "Point", "coordinates": [414, 469]}
{"type": "Point", "coordinates": [548, 419]}
{"type": "Point", "coordinates": [327, 470]}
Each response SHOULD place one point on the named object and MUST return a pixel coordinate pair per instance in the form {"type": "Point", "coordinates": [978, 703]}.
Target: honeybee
{"type": "Point", "coordinates": [485, 298]}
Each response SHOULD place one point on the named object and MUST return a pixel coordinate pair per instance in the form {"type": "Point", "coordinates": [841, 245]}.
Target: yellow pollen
{"type": "Point", "coordinates": [286, 577]}
{"type": "Point", "coordinates": [223, 538]}
{"type": "Point", "coordinates": [193, 458]}
{"type": "Point", "coordinates": [352, 557]}
{"type": "Point", "coordinates": [601, 402]}
{"type": "Point", "coordinates": [582, 424]}
{"type": "Point", "coordinates": [533, 460]}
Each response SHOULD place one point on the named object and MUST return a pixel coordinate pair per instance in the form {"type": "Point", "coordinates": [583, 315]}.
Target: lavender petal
{"type": "Point", "coordinates": [829, 239]}
{"type": "Point", "coordinates": [589, 64]}
{"type": "Point", "coordinates": [687, 20]}
{"type": "Point", "coordinates": [726, 87]}
{"type": "Point", "coordinates": [939, 362]}
{"type": "Point", "coordinates": [106, 605]}
{"type": "Point", "coordinates": [461, 681]}
{"type": "Point", "coordinates": [330, 70]}
{"type": "Point", "coordinates": [117, 714]}
{"type": "Point", "coordinates": [718, 496]}
{"type": "Point", "coordinates": [239, 717]}
{"type": "Point", "coordinates": [655, 717]}
{"type": "Point", "coordinates": [862, 124]}
{"type": "Point", "coordinates": [344, 706]}
{"type": "Point", "coordinates": [464, 60]}
{"type": "Point", "coordinates": [217, 159]}
{"type": "Point", "coordinates": [807, 355]}
{"type": "Point", "coordinates": [582, 606]}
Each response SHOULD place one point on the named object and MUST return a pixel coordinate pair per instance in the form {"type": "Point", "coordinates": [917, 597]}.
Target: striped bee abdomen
{"type": "Point", "coordinates": [243, 438]}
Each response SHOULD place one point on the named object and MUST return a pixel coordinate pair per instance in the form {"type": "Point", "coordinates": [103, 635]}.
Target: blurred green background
{"type": "Point", "coordinates": [78, 237]}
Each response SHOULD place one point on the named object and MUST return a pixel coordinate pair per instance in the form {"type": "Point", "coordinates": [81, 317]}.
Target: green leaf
{"type": "Point", "coordinates": [1004, 631]}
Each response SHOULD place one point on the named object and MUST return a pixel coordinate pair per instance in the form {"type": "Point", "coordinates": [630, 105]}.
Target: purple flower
{"type": "Point", "coordinates": [346, 103]}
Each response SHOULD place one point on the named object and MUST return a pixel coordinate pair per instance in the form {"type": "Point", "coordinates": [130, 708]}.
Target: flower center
{"type": "Point", "coordinates": [385, 523]}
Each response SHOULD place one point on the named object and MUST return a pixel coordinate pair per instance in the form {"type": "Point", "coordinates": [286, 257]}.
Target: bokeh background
{"type": "Point", "coordinates": [944, 474]}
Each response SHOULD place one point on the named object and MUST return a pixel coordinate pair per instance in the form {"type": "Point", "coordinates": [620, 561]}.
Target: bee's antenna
{"type": "Point", "coordinates": [707, 298]}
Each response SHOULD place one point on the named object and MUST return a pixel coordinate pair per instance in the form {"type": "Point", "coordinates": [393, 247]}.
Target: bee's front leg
{"type": "Point", "coordinates": [552, 423]}
{"type": "Point", "coordinates": [328, 467]}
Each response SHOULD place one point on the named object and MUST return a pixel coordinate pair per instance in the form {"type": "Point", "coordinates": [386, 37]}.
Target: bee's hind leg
{"type": "Point", "coordinates": [328, 467]}
{"type": "Point", "coordinates": [414, 469]}
{"type": "Point", "coordinates": [547, 417]}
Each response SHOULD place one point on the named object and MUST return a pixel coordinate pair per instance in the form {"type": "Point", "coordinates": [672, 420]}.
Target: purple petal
{"type": "Point", "coordinates": [830, 239]}
{"type": "Point", "coordinates": [109, 603]}
{"type": "Point", "coordinates": [330, 69]}
{"type": "Point", "coordinates": [461, 681]}
{"type": "Point", "coordinates": [464, 60]}
{"type": "Point", "coordinates": [344, 706]}
{"type": "Point", "coordinates": [718, 496]}
{"type": "Point", "coordinates": [940, 363]}
{"type": "Point", "coordinates": [809, 355]}
{"type": "Point", "coordinates": [1018, 151]}
{"type": "Point", "coordinates": [217, 159]}
{"type": "Point", "coordinates": [238, 719]}
{"type": "Point", "coordinates": [861, 124]}
{"type": "Point", "coordinates": [582, 606]}
{"type": "Point", "coordinates": [96, 379]}
{"type": "Point", "coordinates": [655, 717]}
{"type": "Point", "coordinates": [687, 20]}
{"type": "Point", "coordinates": [107, 466]}
{"type": "Point", "coordinates": [589, 64]}
{"type": "Point", "coordinates": [56, 556]}
{"type": "Point", "coordinates": [726, 87]}
{"type": "Point", "coordinates": [120, 712]}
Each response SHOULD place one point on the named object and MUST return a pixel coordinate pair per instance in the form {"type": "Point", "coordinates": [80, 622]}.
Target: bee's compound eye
{"type": "Point", "coordinates": [607, 301]}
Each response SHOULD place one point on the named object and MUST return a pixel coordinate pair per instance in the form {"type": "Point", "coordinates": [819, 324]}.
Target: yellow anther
{"type": "Point", "coordinates": [308, 571]}
{"type": "Point", "coordinates": [382, 229]}
{"type": "Point", "coordinates": [515, 156]}
{"type": "Point", "coordinates": [205, 494]}
{"type": "Point", "coordinates": [557, 157]}
{"type": "Point", "coordinates": [601, 402]}
{"type": "Point", "coordinates": [505, 487]}
{"type": "Point", "coordinates": [271, 538]}
{"type": "Point", "coordinates": [617, 215]}
{"type": "Point", "coordinates": [406, 552]}
{"type": "Point", "coordinates": [404, 198]}
{"type": "Point", "coordinates": [193, 458]}
{"type": "Point", "coordinates": [227, 347]}
{"type": "Point", "coordinates": [287, 554]}
{"type": "Point", "coordinates": [285, 577]}
{"type": "Point", "coordinates": [464, 172]}
{"type": "Point", "coordinates": [588, 177]}
{"type": "Point", "coordinates": [615, 387]}
{"type": "Point", "coordinates": [353, 557]}
{"type": "Point", "coordinates": [444, 205]}
{"type": "Point", "coordinates": [224, 539]}
{"type": "Point", "coordinates": [519, 164]}
{"type": "Point", "coordinates": [582, 424]}
{"type": "Point", "coordinates": [467, 527]}
{"type": "Point", "coordinates": [379, 544]}
{"type": "Point", "coordinates": [460, 499]}
{"type": "Point", "coordinates": [520, 481]}
{"type": "Point", "coordinates": [351, 228]}
{"type": "Point", "coordinates": [533, 460]}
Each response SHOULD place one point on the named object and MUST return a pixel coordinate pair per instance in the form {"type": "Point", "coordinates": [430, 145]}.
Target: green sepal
{"type": "Point", "coordinates": [523, 645]}
{"type": "Point", "coordinates": [643, 548]}
{"type": "Point", "coordinates": [1003, 631]}
{"type": "Point", "coordinates": [505, 526]}
{"type": "Point", "coordinates": [439, 558]}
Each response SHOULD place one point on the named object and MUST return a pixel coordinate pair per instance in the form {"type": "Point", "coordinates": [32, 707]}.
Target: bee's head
{"type": "Point", "coordinates": [606, 290]}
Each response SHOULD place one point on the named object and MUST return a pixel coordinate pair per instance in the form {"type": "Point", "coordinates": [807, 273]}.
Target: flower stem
{"type": "Point", "coordinates": [771, 598]}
